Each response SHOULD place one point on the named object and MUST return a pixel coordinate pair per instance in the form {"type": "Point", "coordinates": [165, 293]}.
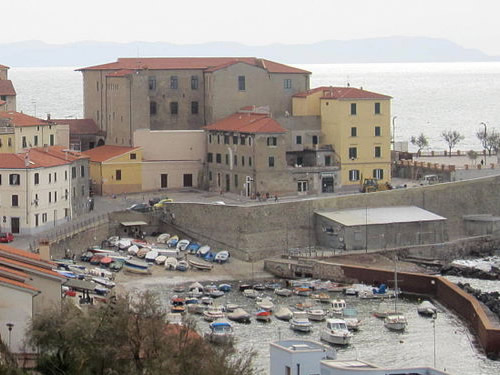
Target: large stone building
{"type": "Point", "coordinates": [83, 133]}
{"type": "Point", "coordinates": [7, 91]}
{"type": "Point", "coordinates": [183, 93]}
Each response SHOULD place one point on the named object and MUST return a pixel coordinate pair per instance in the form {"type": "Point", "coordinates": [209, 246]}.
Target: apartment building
{"type": "Point", "coordinates": [83, 133]}
{"type": "Point", "coordinates": [40, 188]}
{"type": "Point", "coordinates": [183, 93]}
{"type": "Point", "coordinates": [356, 123]}
{"type": "Point", "coordinates": [7, 91]}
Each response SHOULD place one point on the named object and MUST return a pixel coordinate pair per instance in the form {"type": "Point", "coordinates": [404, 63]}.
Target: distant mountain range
{"type": "Point", "coordinates": [374, 50]}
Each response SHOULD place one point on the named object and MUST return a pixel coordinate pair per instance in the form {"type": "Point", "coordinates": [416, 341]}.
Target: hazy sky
{"type": "Point", "coordinates": [472, 24]}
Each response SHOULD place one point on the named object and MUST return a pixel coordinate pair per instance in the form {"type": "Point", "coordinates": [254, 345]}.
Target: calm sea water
{"type": "Point", "coordinates": [427, 98]}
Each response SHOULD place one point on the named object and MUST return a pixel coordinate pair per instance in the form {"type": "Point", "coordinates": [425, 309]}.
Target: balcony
{"type": "Point", "coordinates": [6, 130]}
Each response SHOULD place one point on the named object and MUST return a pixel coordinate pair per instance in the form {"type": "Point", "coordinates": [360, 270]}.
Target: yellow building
{"type": "Point", "coordinates": [357, 124]}
{"type": "Point", "coordinates": [115, 169]}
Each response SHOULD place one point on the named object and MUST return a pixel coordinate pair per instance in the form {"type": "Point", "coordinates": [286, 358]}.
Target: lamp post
{"type": "Point", "coordinates": [394, 132]}
{"type": "Point", "coordinates": [484, 141]}
{"type": "Point", "coordinates": [434, 317]}
{"type": "Point", "coordinates": [9, 327]}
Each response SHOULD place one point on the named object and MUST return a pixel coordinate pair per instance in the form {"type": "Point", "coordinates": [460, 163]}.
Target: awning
{"type": "Point", "coordinates": [133, 223]}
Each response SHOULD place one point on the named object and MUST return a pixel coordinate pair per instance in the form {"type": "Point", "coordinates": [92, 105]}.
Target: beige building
{"type": "Point", "coordinates": [40, 188]}
{"type": "Point", "coordinates": [7, 91]}
{"type": "Point", "coordinates": [83, 133]}
{"type": "Point", "coordinates": [171, 159]}
{"type": "Point", "coordinates": [183, 93]}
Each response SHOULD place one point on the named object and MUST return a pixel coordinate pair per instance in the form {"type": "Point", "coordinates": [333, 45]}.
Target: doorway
{"type": "Point", "coordinates": [188, 180]}
{"type": "Point", "coordinates": [163, 180]}
{"type": "Point", "coordinates": [228, 182]}
{"type": "Point", "coordinates": [14, 224]}
{"type": "Point", "coordinates": [327, 185]}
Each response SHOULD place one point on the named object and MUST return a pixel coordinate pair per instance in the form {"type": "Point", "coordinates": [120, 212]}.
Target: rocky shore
{"type": "Point", "coordinates": [491, 300]}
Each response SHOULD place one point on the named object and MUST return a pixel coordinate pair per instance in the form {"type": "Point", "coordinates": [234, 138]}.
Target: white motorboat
{"type": "Point", "coordinates": [426, 308]}
{"type": "Point", "coordinates": [172, 241]}
{"type": "Point", "coordinates": [395, 322]}
{"type": "Point", "coordinates": [160, 259]}
{"type": "Point", "coordinates": [317, 315]}
{"type": "Point", "coordinates": [283, 292]}
{"type": "Point", "coordinates": [338, 306]}
{"type": "Point", "coordinates": [196, 293]}
{"type": "Point", "coordinates": [132, 250]}
{"type": "Point", "coordinates": [213, 313]}
{"type": "Point", "coordinates": [350, 316]}
{"type": "Point", "coordinates": [336, 332]}
{"type": "Point", "coordinates": [221, 332]}
{"type": "Point", "coordinates": [202, 251]}
{"type": "Point", "coordinates": [265, 304]}
{"type": "Point", "coordinates": [171, 263]}
{"type": "Point", "coordinates": [221, 256]}
{"type": "Point", "coordinates": [239, 315]}
{"type": "Point", "coordinates": [182, 244]}
{"type": "Point", "coordinates": [232, 306]}
{"type": "Point", "coordinates": [250, 293]}
{"type": "Point", "coordinates": [283, 313]}
{"type": "Point", "coordinates": [300, 322]}
{"type": "Point", "coordinates": [151, 256]}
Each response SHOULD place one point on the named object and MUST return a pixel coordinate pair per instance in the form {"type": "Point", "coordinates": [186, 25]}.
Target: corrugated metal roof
{"type": "Point", "coordinates": [380, 215]}
{"type": "Point", "coordinates": [133, 223]}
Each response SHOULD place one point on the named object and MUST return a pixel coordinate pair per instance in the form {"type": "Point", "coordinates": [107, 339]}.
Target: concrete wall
{"type": "Point", "coordinates": [16, 308]}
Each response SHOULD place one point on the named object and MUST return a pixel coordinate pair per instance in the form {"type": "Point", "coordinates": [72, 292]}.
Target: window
{"type": "Point", "coordinates": [235, 180]}
{"type": "Point", "coordinates": [24, 142]}
{"type": "Point", "coordinates": [328, 160]}
{"type": "Point", "coordinates": [241, 83]}
{"type": "Point", "coordinates": [44, 218]}
{"type": "Point", "coordinates": [302, 186]}
{"type": "Point", "coordinates": [35, 140]}
{"type": "Point", "coordinates": [288, 370]}
{"type": "Point", "coordinates": [73, 172]}
{"type": "Point", "coordinates": [50, 178]}
{"type": "Point", "coordinates": [287, 83]}
{"type": "Point", "coordinates": [174, 108]}
{"type": "Point", "coordinates": [249, 141]}
{"type": "Point", "coordinates": [235, 139]}
{"type": "Point", "coordinates": [354, 132]}
{"type": "Point", "coordinates": [378, 151]}
{"type": "Point", "coordinates": [37, 178]}
{"type": "Point", "coordinates": [152, 108]}
{"type": "Point", "coordinates": [66, 212]}
{"type": "Point", "coordinates": [133, 156]}
{"type": "Point", "coordinates": [298, 140]}
{"type": "Point", "coordinates": [354, 175]}
{"type": "Point", "coordinates": [353, 153]}
{"type": "Point", "coordinates": [378, 174]}
{"type": "Point", "coordinates": [194, 108]}
{"type": "Point", "coordinates": [152, 82]}
{"type": "Point", "coordinates": [118, 175]}
{"type": "Point", "coordinates": [218, 158]}
{"type": "Point", "coordinates": [174, 83]}
{"type": "Point", "coordinates": [209, 175]}
{"type": "Point", "coordinates": [235, 162]}
{"type": "Point", "coordinates": [65, 175]}
{"type": "Point", "coordinates": [194, 82]}
{"type": "Point", "coordinates": [210, 138]}
{"type": "Point", "coordinates": [210, 157]}
{"type": "Point", "coordinates": [14, 179]}
{"type": "Point", "coordinates": [9, 142]}
{"type": "Point", "coordinates": [97, 85]}
{"type": "Point", "coordinates": [242, 161]}
{"type": "Point", "coordinates": [227, 159]}
{"type": "Point", "coordinates": [315, 139]}
{"type": "Point", "coordinates": [377, 131]}
{"type": "Point", "coordinates": [242, 140]}
{"type": "Point", "coordinates": [226, 139]}
{"type": "Point", "coordinates": [55, 176]}
{"type": "Point", "coordinates": [272, 141]}
{"type": "Point", "coordinates": [300, 160]}
{"type": "Point", "coordinates": [353, 109]}
{"type": "Point", "coordinates": [66, 194]}
{"type": "Point", "coordinates": [377, 108]}
{"type": "Point", "coordinates": [249, 161]}
{"type": "Point", "coordinates": [51, 140]}
{"type": "Point", "coordinates": [50, 197]}
{"type": "Point", "coordinates": [37, 223]}
{"type": "Point", "coordinates": [271, 161]}
{"type": "Point", "coordinates": [15, 201]}
{"type": "Point", "coordinates": [83, 190]}
{"type": "Point", "coordinates": [55, 196]}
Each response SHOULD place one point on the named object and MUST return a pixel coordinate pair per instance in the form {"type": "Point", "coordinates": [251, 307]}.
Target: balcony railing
{"type": "Point", "coordinates": [6, 130]}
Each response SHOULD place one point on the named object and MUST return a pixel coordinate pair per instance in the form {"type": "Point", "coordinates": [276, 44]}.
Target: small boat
{"type": "Point", "coordinates": [321, 297]}
{"type": "Point", "coordinates": [300, 322]}
{"type": "Point", "coordinates": [207, 300]}
{"type": "Point", "coordinates": [225, 287]}
{"type": "Point", "coordinates": [151, 256]}
{"type": "Point", "coordinates": [182, 245]}
{"type": "Point", "coordinates": [383, 310]}
{"type": "Point", "coordinates": [113, 240]}
{"type": "Point", "coordinates": [85, 257]}
{"type": "Point", "coordinates": [395, 322]}
{"type": "Point", "coordinates": [350, 316]}
{"type": "Point", "coordinates": [242, 287]}
{"type": "Point", "coordinates": [303, 306]}
{"type": "Point", "coordinates": [221, 332]}
{"type": "Point", "coordinates": [232, 306]}
{"type": "Point", "coordinates": [250, 293]}
{"type": "Point", "coordinates": [192, 300]}
{"type": "Point", "coordinates": [196, 308]}
{"type": "Point", "coordinates": [265, 304]}
{"type": "Point", "coordinates": [133, 250]}
{"type": "Point", "coordinates": [182, 265]}
{"type": "Point", "coordinates": [163, 238]}
{"type": "Point", "coordinates": [142, 252]}
{"type": "Point", "coordinates": [338, 306]}
{"type": "Point", "coordinates": [178, 305]}
{"type": "Point", "coordinates": [179, 289]}
{"type": "Point", "coordinates": [221, 257]}
{"type": "Point", "coordinates": [195, 293]}
{"type": "Point", "coordinates": [239, 315]}
{"type": "Point", "coordinates": [116, 266]}
{"type": "Point", "coordinates": [193, 247]}
{"type": "Point", "coordinates": [199, 265]}
{"type": "Point", "coordinates": [304, 292]}
{"type": "Point", "coordinates": [259, 287]}
{"type": "Point", "coordinates": [202, 251]}
{"type": "Point", "coordinates": [106, 261]}
{"type": "Point", "coordinates": [283, 292]}
{"type": "Point", "coordinates": [317, 315]}
{"type": "Point", "coordinates": [96, 260]}
{"type": "Point", "coordinates": [273, 286]}
{"type": "Point", "coordinates": [283, 313]}
{"type": "Point", "coordinates": [104, 281]}
{"type": "Point", "coordinates": [426, 308]}
{"type": "Point", "coordinates": [172, 241]}
{"type": "Point", "coordinates": [216, 293]}
{"type": "Point", "coordinates": [138, 242]}
{"type": "Point", "coordinates": [209, 257]}
{"type": "Point", "coordinates": [196, 285]}
{"type": "Point", "coordinates": [136, 266]}
{"type": "Point", "coordinates": [124, 243]}
{"type": "Point", "coordinates": [160, 259]}
{"type": "Point", "coordinates": [263, 315]}
{"type": "Point", "coordinates": [213, 313]}
{"type": "Point", "coordinates": [336, 332]}
{"type": "Point", "coordinates": [171, 263]}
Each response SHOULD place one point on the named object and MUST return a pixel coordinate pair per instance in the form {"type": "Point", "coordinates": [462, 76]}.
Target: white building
{"type": "Point", "coordinates": [356, 367]}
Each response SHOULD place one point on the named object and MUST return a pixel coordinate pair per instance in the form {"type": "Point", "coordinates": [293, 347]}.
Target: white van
{"type": "Point", "coordinates": [429, 179]}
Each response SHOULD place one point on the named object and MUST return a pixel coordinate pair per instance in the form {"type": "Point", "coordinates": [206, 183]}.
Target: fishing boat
{"type": "Point", "coordinates": [338, 306]}
{"type": "Point", "coordinates": [395, 322]}
{"type": "Point", "coordinates": [182, 245]}
{"type": "Point", "coordinates": [142, 252]}
{"type": "Point", "coordinates": [202, 251]}
{"type": "Point", "coordinates": [221, 257]}
{"type": "Point", "coordinates": [200, 265]}
{"type": "Point", "coordinates": [163, 238]}
{"type": "Point", "coordinates": [426, 308]}
{"type": "Point", "coordinates": [300, 322]}
{"type": "Point", "coordinates": [136, 266]}
{"type": "Point", "coordinates": [193, 247]}
{"type": "Point", "coordinates": [350, 316]}
{"type": "Point", "coordinates": [250, 293]}
{"type": "Point", "coordinates": [265, 304]}
{"type": "Point", "coordinates": [321, 297]}
{"type": "Point", "coordinates": [221, 332]}
{"type": "Point", "coordinates": [182, 265]}
{"type": "Point", "coordinates": [171, 263]}
{"type": "Point", "coordinates": [172, 241]}
{"type": "Point", "coordinates": [213, 313]}
{"type": "Point", "coordinates": [151, 256]}
{"type": "Point", "coordinates": [283, 292]}
{"type": "Point", "coordinates": [336, 332]}
{"type": "Point", "coordinates": [216, 293]}
{"type": "Point", "coordinates": [283, 313]}
{"type": "Point", "coordinates": [225, 287]}
{"type": "Point", "coordinates": [178, 305]}
{"type": "Point", "coordinates": [160, 259]}
{"type": "Point", "coordinates": [239, 315]}
{"type": "Point", "coordinates": [132, 250]}
{"type": "Point", "coordinates": [303, 292]}
{"type": "Point", "coordinates": [232, 306]}
{"type": "Point", "coordinates": [317, 315]}
{"type": "Point", "coordinates": [263, 316]}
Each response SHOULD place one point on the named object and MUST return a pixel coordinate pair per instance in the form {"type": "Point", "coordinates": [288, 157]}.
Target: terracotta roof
{"type": "Point", "coordinates": [52, 156]}
{"type": "Point", "coordinates": [18, 284]}
{"type": "Point", "coordinates": [23, 265]}
{"type": "Point", "coordinates": [61, 153]}
{"type": "Point", "coordinates": [4, 67]}
{"type": "Point", "coordinates": [20, 119]}
{"type": "Point", "coordinates": [199, 63]}
{"type": "Point", "coordinates": [247, 123]}
{"type": "Point", "coordinates": [120, 73]}
{"type": "Point", "coordinates": [341, 93]}
{"type": "Point", "coordinates": [19, 252]}
{"type": "Point", "coordinates": [6, 87]}
{"type": "Point", "coordinates": [79, 126]}
{"type": "Point", "coordinates": [14, 272]}
{"type": "Point", "coordinates": [106, 152]}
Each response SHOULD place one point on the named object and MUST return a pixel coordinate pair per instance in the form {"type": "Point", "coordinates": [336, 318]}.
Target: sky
{"type": "Point", "coordinates": [471, 24]}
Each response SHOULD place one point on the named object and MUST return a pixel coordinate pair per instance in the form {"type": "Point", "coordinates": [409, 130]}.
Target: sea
{"type": "Point", "coordinates": [428, 98]}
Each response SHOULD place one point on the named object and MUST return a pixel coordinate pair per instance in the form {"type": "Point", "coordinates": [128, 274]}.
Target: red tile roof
{"type": "Point", "coordinates": [61, 153]}
{"type": "Point", "coordinates": [120, 73]}
{"type": "Point", "coordinates": [247, 123]}
{"type": "Point", "coordinates": [4, 67]}
{"type": "Point", "coordinates": [27, 267]}
{"type": "Point", "coordinates": [18, 284]}
{"type": "Point", "coordinates": [199, 63]}
{"type": "Point", "coordinates": [106, 152]}
{"type": "Point", "coordinates": [342, 93]}
{"type": "Point", "coordinates": [20, 119]}
{"type": "Point", "coordinates": [79, 126]}
{"type": "Point", "coordinates": [19, 252]}
{"type": "Point", "coordinates": [14, 272]}
{"type": "Point", "coordinates": [39, 158]}
{"type": "Point", "coordinates": [6, 87]}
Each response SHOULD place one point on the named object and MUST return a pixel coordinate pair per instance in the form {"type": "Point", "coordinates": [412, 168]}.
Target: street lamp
{"type": "Point", "coordinates": [434, 317]}
{"type": "Point", "coordinates": [9, 327]}
{"type": "Point", "coordinates": [484, 140]}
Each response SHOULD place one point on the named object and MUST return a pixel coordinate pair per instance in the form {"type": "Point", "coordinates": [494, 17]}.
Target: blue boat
{"type": "Point", "coordinates": [137, 266]}
{"type": "Point", "coordinates": [225, 287]}
{"type": "Point", "coordinates": [209, 257]}
{"type": "Point", "coordinates": [193, 247]}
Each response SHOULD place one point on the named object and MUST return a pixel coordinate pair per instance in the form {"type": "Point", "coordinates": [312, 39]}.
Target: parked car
{"type": "Point", "coordinates": [163, 203]}
{"type": "Point", "coordinates": [6, 237]}
{"type": "Point", "coordinates": [140, 207]}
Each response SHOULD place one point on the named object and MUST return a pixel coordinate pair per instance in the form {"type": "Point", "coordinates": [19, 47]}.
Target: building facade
{"type": "Point", "coordinates": [7, 91]}
{"type": "Point", "coordinates": [83, 133]}
{"type": "Point", "coordinates": [182, 93]}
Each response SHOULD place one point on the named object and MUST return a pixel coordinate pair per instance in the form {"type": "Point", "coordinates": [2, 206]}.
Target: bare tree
{"type": "Point", "coordinates": [421, 142]}
{"type": "Point", "coordinates": [488, 140]}
{"type": "Point", "coordinates": [452, 137]}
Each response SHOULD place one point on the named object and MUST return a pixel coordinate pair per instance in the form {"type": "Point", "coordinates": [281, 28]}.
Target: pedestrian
{"type": "Point", "coordinates": [275, 197]}
{"type": "Point", "coordinates": [482, 162]}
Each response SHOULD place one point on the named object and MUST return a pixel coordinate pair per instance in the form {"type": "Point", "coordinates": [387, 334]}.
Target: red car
{"type": "Point", "coordinates": [6, 237]}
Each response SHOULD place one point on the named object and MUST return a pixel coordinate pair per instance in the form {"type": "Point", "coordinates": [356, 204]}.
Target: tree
{"type": "Point", "coordinates": [488, 140]}
{"type": "Point", "coordinates": [421, 142]}
{"type": "Point", "coordinates": [128, 336]}
{"type": "Point", "coordinates": [472, 155]}
{"type": "Point", "coordinates": [452, 137]}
